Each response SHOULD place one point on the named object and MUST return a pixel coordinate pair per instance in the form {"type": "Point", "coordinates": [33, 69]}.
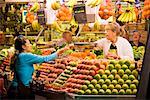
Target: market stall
{"type": "Point", "coordinates": [84, 72]}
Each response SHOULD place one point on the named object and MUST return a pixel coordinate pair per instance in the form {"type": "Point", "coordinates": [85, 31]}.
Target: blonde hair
{"type": "Point", "coordinates": [113, 27]}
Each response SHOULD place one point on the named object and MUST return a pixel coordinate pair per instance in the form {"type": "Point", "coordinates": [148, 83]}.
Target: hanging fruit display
{"type": "Point", "coordinates": [55, 5]}
{"type": "Point", "coordinates": [146, 9]}
{"type": "Point", "coordinates": [35, 7]}
{"type": "Point", "coordinates": [64, 14]}
{"type": "Point", "coordinates": [94, 3]}
{"type": "Point", "coordinates": [106, 11]}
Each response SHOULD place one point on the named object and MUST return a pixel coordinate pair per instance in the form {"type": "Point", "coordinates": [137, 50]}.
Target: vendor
{"type": "Point", "coordinates": [136, 39]}
{"type": "Point", "coordinates": [113, 45]}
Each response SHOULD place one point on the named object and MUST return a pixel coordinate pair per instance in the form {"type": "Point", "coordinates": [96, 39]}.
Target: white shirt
{"type": "Point", "coordinates": [124, 48]}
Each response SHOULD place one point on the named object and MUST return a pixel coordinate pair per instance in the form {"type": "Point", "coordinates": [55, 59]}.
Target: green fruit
{"type": "Point", "coordinates": [117, 77]}
{"type": "Point", "coordinates": [104, 76]}
{"type": "Point", "coordinates": [118, 87]}
{"type": "Point", "coordinates": [135, 73]}
{"type": "Point", "coordinates": [97, 86]}
{"type": "Point", "coordinates": [131, 77]}
{"type": "Point", "coordinates": [104, 86]}
{"type": "Point", "coordinates": [101, 81]}
{"type": "Point", "coordinates": [132, 86]}
{"type": "Point", "coordinates": [122, 91]}
{"type": "Point", "coordinates": [114, 91]}
{"type": "Point", "coordinates": [91, 86]}
{"type": "Point", "coordinates": [124, 67]}
{"type": "Point", "coordinates": [114, 62]}
{"type": "Point", "coordinates": [125, 77]}
{"type": "Point", "coordinates": [136, 82]}
{"type": "Point", "coordinates": [125, 86]}
{"type": "Point", "coordinates": [94, 82]}
{"type": "Point", "coordinates": [107, 72]}
{"type": "Point", "coordinates": [101, 71]}
{"type": "Point", "coordinates": [132, 67]}
{"type": "Point", "coordinates": [121, 81]}
{"type": "Point", "coordinates": [128, 91]}
{"type": "Point", "coordinates": [121, 62]}
{"type": "Point", "coordinates": [111, 87]}
{"type": "Point", "coordinates": [111, 77]}
{"type": "Point", "coordinates": [127, 62]}
{"type": "Point", "coordinates": [80, 92]}
{"type": "Point", "coordinates": [134, 91]}
{"type": "Point", "coordinates": [101, 91]}
{"type": "Point", "coordinates": [117, 66]}
{"type": "Point", "coordinates": [108, 91]}
{"type": "Point", "coordinates": [128, 82]}
{"type": "Point", "coordinates": [121, 72]}
{"type": "Point", "coordinates": [107, 81]}
{"type": "Point", "coordinates": [97, 76]}
{"type": "Point", "coordinates": [114, 82]}
{"type": "Point", "coordinates": [114, 71]}
{"type": "Point", "coordinates": [84, 87]}
{"type": "Point", "coordinates": [88, 91]}
{"type": "Point", "coordinates": [87, 82]}
{"type": "Point", "coordinates": [110, 67]}
{"type": "Point", "coordinates": [94, 91]}
{"type": "Point", "coordinates": [128, 71]}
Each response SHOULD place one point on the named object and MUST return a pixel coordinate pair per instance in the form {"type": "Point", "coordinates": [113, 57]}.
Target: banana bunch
{"type": "Point", "coordinates": [132, 1]}
{"type": "Point", "coordinates": [55, 5]}
{"type": "Point", "coordinates": [35, 25]}
{"type": "Point", "coordinates": [71, 3]}
{"type": "Point", "coordinates": [35, 7]}
{"type": "Point", "coordinates": [96, 26]}
{"type": "Point", "coordinates": [127, 16]}
{"type": "Point", "coordinates": [94, 3]}
{"type": "Point", "coordinates": [56, 27]}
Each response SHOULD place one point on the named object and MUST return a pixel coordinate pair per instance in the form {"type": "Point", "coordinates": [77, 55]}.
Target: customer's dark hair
{"type": "Point", "coordinates": [19, 42]}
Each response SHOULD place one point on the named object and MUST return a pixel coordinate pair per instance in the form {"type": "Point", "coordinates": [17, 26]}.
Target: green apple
{"type": "Point", "coordinates": [128, 82]}
{"type": "Point", "coordinates": [117, 77]}
{"type": "Point", "coordinates": [132, 86]}
{"type": "Point", "coordinates": [90, 86]}
{"type": "Point", "coordinates": [114, 82]}
{"type": "Point", "coordinates": [101, 71]}
{"type": "Point", "coordinates": [114, 62]}
{"type": "Point", "coordinates": [121, 81]}
{"type": "Point", "coordinates": [104, 86]}
{"type": "Point", "coordinates": [122, 91]}
{"type": "Point", "coordinates": [101, 91]}
{"type": "Point", "coordinates": [124, 67]}
{"type": "Point", "coordinates": [108, 91]}
{"type": "Point", "coordinates": [121, 72]}
{"type": "Point", "coordinates": [94, 82]}
{"type": "Point", "coordinates": [87, 82]}
{"type": "Point", "coordinates": [128, 71]}
{"type": "Point", "coordinates": [101, 81]}
{"type": "Point", "coordinates": [117, 66]}
{"type": "Point", "coordinates": [131, 77]}
{"type": "Point", "coordinates": [111, 87]}
{"type": "Point", "coordinates": [127, 62]}
{"type": "Point", "coordinates": [107, 72]}
{"type": "Point", "coordinates": [136, 82]}
{"type": "Point", "coordinates": [121, 62]}
{"type": "Point", "coordinates": [84, 87]}
{"type": "Point", "coordinates": [111, 77]}
{"type": "Point", "coordinates": [104, 76]}
{"type": "Point", "coordinates": [97, 86]}
{"type": "Point", "coordinates": [125, 86]}
{"type": "Point", "coordinates": [125, 77]}
{"type": "Point", "coordinates": [118, 87]}
{"type": "Point", "coordinates": [135, 73]}
{"type": "Point", "coordinates": [107, 81]}
{"type": "Point", "coordinates": [114, 71]}
{"type": "Point", "coordinates": [128, 91]}
{"type": "Point", "coordinates": [110, 67]}
{"type": "Point", "coordinates": [134, 91]}
{"type": "Point", "coordinates": [97, 76]}
{"type": "Point", "coordinates": [94, 91]}
{"type": "Point", "coordinates": [80, 92]}
{"type": "Point", "coordinates": [114, 91]}
{"type": "Point", "coordinates": [88, 91]}
{"type": "Point", "coordinates": [132, 67]}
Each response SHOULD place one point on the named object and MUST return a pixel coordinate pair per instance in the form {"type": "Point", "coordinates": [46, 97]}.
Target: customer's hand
{"type": "Point", "coordinates": [61, 51]}
{"type": "Point", "coordinates": [112, 56]}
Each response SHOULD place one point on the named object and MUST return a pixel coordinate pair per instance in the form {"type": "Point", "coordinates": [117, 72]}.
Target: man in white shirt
{"type": "Point", "coordinates": [114, 46]}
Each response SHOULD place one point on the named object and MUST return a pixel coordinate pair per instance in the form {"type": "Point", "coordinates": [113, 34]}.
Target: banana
{"type": "Point", "coordinates": [124, 17]}
{"type": "Point", "coordinates": [134, 15]}
{"type": "Point", "coordinates": [94, 3]}
{"type": "Point", "coordinates": [71, 3]}
{"type": "Point", "coordinates": [35, 7]}
{"type": "Point", "coordinates": [57, 27]}
{"type": "Point", "coordinates": [131, 1]}
{"type": "Point", "coordinates": [55, 6]}
{"type": "Point", "coordinates": [35, 25]}
{"type": "Point", "coordinates": [127, 17]}
{"type": "Point", "coordinates": [121, 16]}
{"type": "Point", "coordinates": [130, 16]}
{"type": "Point", "coordinates": [99, 2]}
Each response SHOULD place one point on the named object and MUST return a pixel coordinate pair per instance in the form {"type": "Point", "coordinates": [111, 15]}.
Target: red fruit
{"type": "Point", "coordinates": [89, 77]}
{"type": "Point", "coordinates": [102, 67]}
{"type": "Point", "coordinates": [92, 72]}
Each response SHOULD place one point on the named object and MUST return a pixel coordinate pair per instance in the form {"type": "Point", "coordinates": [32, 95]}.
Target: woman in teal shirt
{"type": "Point", "coordinates": [23, 62]}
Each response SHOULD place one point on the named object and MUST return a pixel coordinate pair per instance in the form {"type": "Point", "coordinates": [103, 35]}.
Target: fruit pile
{"type": "Point", "coordinates": [105, 11]}
{"type": "Point", "coordinates": [138, 52]}
{"type": "Point", "coordinates": [146, 9]}
{"type": "Point", "coordinates": [64, 14]}
{"type": "Point", "coordinates": [120, 77]}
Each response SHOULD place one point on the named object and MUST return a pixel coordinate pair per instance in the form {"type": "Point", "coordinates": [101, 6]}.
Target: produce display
{"type": "Point", "coordinates": [94, 3]}
{"type": "Point", "coordinates": [146, 9]}
{"type": "Point", "coordinates": [138, 52]}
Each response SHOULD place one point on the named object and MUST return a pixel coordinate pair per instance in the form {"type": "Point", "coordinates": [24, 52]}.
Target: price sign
{"type": "Point", "coordinates": [41, 17]}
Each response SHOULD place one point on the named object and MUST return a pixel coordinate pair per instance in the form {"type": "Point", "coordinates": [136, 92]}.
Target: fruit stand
{"type": "Point", "coordinates": [82, 73]}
